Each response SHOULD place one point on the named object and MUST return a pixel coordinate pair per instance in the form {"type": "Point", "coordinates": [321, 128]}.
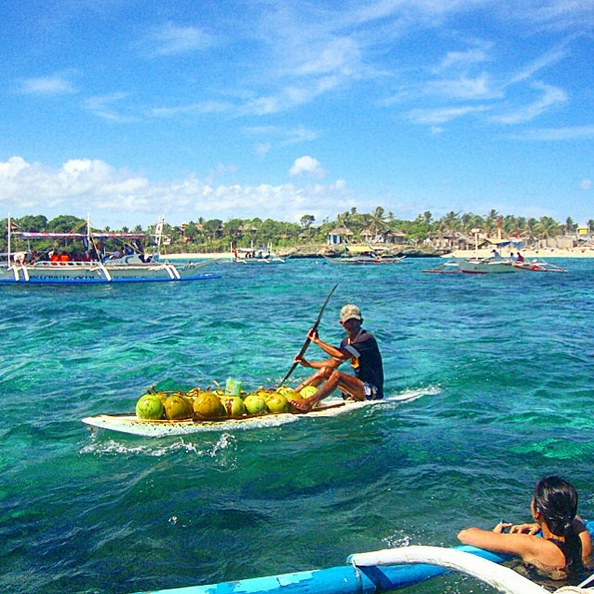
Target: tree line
{"type": "Point", "coordinates": [217, 235]}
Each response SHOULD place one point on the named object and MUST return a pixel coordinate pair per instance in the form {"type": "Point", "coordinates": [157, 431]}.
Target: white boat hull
{"type": "Point", "coordinates": [94, 272]}
{"type": "Point", "coordinates": [132, 425]}
{"type": "Point", "coordinates": [486, 266]}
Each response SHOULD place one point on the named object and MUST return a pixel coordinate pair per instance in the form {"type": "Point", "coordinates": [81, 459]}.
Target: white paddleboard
{"type": "Point", "coordinates": [131, 424]}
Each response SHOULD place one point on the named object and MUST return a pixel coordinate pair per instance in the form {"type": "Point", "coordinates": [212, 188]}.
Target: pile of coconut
{"type": "Point", "coordinates": [215, 405]}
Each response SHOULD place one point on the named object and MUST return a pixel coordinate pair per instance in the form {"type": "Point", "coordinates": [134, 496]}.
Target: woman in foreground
{"type": "Point", "coordinates": [556, 546]}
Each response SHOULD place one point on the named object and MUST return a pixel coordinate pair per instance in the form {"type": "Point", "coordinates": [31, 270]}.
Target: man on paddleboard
{"type": "Point", "coordinates": [360, 348]}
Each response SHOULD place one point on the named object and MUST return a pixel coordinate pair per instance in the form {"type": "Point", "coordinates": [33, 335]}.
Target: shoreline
{"type": "Point", "coordinates": [320, 252]}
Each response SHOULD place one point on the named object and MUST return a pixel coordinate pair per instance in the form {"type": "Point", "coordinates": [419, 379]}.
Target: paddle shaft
{"type": "Point", "coordinates": [308, 340]}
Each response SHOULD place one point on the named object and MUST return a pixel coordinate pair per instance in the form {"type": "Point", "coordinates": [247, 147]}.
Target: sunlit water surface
{"type": "Point", "coordinates": [503, 365]}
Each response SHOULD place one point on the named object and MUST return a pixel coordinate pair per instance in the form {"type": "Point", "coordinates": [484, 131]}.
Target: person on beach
{"type": "Point", "coordinates": [556, 546]}
{"type": "Point", "coordinates": [360, 348]}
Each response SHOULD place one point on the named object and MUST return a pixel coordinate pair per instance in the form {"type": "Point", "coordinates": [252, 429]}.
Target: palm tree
{"type": "Point", "coordinates": [547, 228]}
{"type": "Point", "coordinates": [378, 221]}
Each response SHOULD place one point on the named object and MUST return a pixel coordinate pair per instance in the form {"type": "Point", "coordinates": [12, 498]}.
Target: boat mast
{"type": "Point", "coordinates": [159, 235]}
{"type": "Point", "coordinates": [476, 232]}
{"type": "Point", "coordinates": [8, 237]}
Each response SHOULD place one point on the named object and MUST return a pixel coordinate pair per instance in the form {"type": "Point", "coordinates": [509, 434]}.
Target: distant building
{"type": "Point", "coordinates": [339, 236]}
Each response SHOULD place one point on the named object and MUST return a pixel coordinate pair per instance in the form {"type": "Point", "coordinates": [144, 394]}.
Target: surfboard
{"type": "Point", "coordinates": [129, 423]}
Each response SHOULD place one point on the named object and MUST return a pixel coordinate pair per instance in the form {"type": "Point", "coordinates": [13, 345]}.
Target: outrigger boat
{"type": "Point", "coordinates": [504, 265]}
{"type": "Point", "coordinates": [96, 266]}
{"type": "Point", "coordinates": [256, 255]}
{"type": "Point", "coordinates": [494, 266]}
{"type": "Point", "coordinates": [363, 255]}
{"type": "Point", "coordinates": [389, 569]}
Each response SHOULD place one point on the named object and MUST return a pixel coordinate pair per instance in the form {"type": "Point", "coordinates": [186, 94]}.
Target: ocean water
{"type": "Point", "coordinates": [502, 365]}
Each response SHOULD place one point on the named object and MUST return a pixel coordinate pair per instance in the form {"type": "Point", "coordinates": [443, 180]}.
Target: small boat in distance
{"type": "Point", "coordinates": [494, 266]}
{"type": "Point", "coordinates": [504, 265]}
{"type": "Point", "coordinates": [92, 263]}
{"type": "Point", "coordinates": [255, 255]}
{"type": "Point", "coordinates": [362, 255]}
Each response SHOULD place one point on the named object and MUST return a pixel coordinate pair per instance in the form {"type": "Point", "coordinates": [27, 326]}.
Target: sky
{"type": "Point", "coordinates": [128, 110]}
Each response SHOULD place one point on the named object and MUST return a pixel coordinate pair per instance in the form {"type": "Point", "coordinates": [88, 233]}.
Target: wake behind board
{"type": "Point", "coordinates": [132, 425]}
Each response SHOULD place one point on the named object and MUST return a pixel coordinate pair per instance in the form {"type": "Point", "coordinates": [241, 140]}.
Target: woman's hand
{"type": "Point", "coordinates": [531, 529]}
{"type": "Point", "coordinates": [502, 527]}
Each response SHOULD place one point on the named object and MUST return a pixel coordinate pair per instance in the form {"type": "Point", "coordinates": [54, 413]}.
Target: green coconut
{"type": "Point", "coordinates": [308, 391]}
{"type": "Point", "coordinates": [194, 393]}
{"type": "Point", "coordinates": [178, 408]}
{"type": "Point", "coordinates": [149, 407]}
{"type": "Point", "coordinates": [161, 395]}
{"type": "Point", "coordinates": [277, 403]}
{"type": "Point", "coordinates": [265, 393]}
{"type": "Point", "coordinates": [255, 404]}
{"type": "Point", "coordinates": [233, 406]}
{"type": "Point", "coordinates": [208, 406]}
{"type": "Point", "coordinates": [289, 393]}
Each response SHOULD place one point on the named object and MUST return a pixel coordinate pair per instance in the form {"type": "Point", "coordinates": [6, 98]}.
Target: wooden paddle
{"type": "Point", "coordinates": [308, 340]}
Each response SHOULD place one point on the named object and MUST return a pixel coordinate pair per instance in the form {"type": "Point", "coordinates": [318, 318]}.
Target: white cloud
{"type": "Point", "coordinates": [120, 197]}
{"type": "Point", "coordinates": [443, 114]}
{"type": "Point", "coordinates": [586, 184]}
{"type": "Point", "coordinates": [46, 85]}
{"type": "Point", "coordinates": [567, 133]}
{"type": "Point", "coordinates": [103, 107]}
{"type": "Point", "coordinates": [307, 165]}
{"type": "Point", "coordinates": [462, 58]}
{"type": "Point", "coordinates": [551, 96]}
{"type": "Point", "coordinates": [173, 39]}
{"type": "Point", "coordinates": [465, 87]}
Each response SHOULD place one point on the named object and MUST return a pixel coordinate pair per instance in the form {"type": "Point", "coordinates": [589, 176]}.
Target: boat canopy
{"type": "Point", "coordinates": [359, 249]}
{"type": "Point", "coordinates": [95, 234]}
{"type": "Point", "coordinates": [505, 243]}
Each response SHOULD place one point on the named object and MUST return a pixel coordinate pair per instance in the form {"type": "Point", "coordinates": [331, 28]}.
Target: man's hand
{"type": "Point", "coordinates": [313, 335]}
{"type": "Point", "coordinates": [302, 361]}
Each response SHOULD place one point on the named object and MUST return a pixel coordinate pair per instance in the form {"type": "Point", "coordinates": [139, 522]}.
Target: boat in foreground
{"type": "Point", "coordinates": [130, 424]}
{"type": "Point", "coordinates": [381, 571]}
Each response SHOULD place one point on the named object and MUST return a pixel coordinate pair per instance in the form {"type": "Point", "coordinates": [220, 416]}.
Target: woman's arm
{"type": "Point", "coordinates": [518, 544]}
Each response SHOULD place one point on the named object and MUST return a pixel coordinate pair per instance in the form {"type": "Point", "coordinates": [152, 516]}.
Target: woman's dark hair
{"type": "Point", "coordinates": [557, 501]}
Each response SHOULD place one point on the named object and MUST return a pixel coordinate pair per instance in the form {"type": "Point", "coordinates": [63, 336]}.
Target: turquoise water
{"type": "Point", "coordinates": [503, 363]}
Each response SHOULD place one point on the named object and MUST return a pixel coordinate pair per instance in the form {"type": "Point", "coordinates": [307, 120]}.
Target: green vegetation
{"type": "Point", "coordinates": [215, 235]}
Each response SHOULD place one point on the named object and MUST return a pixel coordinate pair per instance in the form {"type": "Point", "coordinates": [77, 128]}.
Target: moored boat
{"type": "Point", "coordinates": [504, 265]}
{"type": "Point", "coordinates": [370, 259]}
{"type": "Point", "coordinates": [361, 255]}
{"type": "Point", "coordinates": [256, 255]}
{"type": "Point", "coordinates": [486, 265]}
{"type": "Point", "coordinates": [94, 265]}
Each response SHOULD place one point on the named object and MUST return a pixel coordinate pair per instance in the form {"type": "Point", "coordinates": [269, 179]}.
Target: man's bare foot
{"type": "Point", "coordinates": [303, 406]}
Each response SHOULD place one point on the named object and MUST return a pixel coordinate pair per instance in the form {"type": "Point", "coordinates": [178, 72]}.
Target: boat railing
{"type": "Point", "coordinates": [500, 577]}
{"type": "Point", "coordinates": [68, 264]}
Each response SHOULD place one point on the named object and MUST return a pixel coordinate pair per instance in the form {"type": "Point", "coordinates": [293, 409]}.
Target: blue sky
{"type": "Point", "coordinates": [131, 109]}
